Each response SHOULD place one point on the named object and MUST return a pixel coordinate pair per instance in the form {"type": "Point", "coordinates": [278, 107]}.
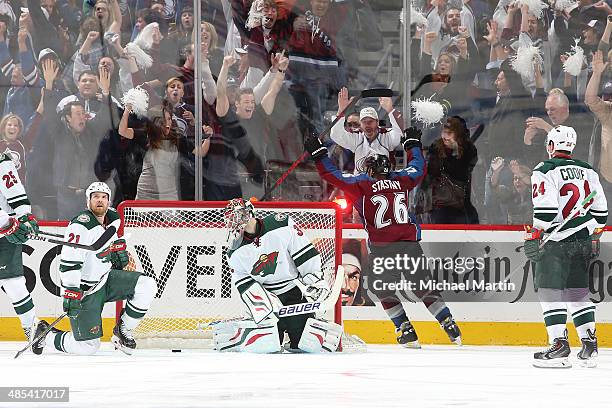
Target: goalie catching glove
{"type": "Point", "coordinates": [533, 239]}
{"type": "Point", "coordinates": [18, 229]}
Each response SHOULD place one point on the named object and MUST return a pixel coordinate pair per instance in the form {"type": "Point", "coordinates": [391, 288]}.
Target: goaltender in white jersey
{"type": "Point", "coordinates": [269, 256]}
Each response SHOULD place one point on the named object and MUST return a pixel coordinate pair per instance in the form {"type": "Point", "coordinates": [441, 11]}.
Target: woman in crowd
{"type": "Point", "coordinates": [451, 160]}
{"type": "Point", "coordinates": [11, 129]}
{"type": "Point", "coordinates": [165, 146]}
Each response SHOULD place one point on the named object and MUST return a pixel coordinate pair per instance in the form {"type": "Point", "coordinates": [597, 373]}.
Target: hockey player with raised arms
{"type": "Point", "coordinates": [90, 279]}
{"type": "Point", "coordinates": [274, 264]}
{"type": "Point", "coordinates": [16, 222]}
{"type": "Point", "coordinates": [559, 185]}
{"type": "Point", "coordinates": [381, 198]}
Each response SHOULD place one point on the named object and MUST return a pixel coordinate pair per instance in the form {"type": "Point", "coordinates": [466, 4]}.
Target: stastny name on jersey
{"type": "Point", "coordinates": [385, 184]}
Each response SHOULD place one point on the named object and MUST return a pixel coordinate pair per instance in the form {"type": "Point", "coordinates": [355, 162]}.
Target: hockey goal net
{"type": "Point", "coordinates": [183, 245]}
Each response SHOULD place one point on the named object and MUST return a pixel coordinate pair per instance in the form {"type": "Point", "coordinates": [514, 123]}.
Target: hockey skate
{"type": "Point", "coordinates": [587, 356]}
{"type": "Point", "coordinates": [452, 330]}
{"type": "Point", "coordinates": [122, 338]}
{"type": "Point", "coordinates": [556, 356]}
{"type": "Point", "coordinates": [407, 336]}
{"type": "Point", "coordinates": [42, 326]}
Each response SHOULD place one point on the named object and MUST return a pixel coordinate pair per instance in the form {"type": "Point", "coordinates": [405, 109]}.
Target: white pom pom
{"type": "Point", "coordinates": [427, 111]}
{"type": "Point", "coordinates": [564, 4]}
{"type": "Point", "coordinates": [255, 14]}
{"type": "Point", "coordinates": [536, 7]}
{"type": "Point", "coordinates": [143, 60]}
{"type": "Point", "coordinates": [416, 16]}
{"type": "Point", "coordinates": [523, 61]}
{"type": "Point", "coordinates": [139, 99]}
{"type": "Point", "coordinates": [575, 59]}
{"type": "Point", "coordinates": [144, 39]}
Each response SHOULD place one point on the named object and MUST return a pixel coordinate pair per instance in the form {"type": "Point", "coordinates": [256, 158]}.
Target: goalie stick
{"type": "Point", "coordinates": [56, 321]}
{"type": "Point", "coordinates": [100, 242]}
{"type": "Point", "coordinates": [366, 93]}
{"type": "Point", "coordinates": [301, 308]}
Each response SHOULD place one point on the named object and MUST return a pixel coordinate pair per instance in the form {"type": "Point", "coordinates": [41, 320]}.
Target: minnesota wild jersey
{"type": "Point", "coordinates": [13, 198]}
{"type": "Point", "coordinates": [80, 267]}
{"type": "Point", "coordinates": [559, 184]}
{"type": "Point", "coordinates": [279, 253]}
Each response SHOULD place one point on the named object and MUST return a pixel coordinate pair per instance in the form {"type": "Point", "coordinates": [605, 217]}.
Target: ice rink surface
{"type": "Point", "coordinates": [385, 376]}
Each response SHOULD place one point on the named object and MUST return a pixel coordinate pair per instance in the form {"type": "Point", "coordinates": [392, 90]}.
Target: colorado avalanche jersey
{"type": "Point", "coordinates": [382, 204]}
{"type": "Point", "coordinates": [279, 253]}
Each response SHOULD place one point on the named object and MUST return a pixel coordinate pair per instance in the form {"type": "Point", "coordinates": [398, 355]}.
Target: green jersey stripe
{"type": "Point", "coordinates": [311, 253]}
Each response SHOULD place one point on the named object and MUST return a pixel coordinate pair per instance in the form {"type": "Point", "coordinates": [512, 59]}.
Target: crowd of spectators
{"type": "Point", "coordinates": [275, 71]}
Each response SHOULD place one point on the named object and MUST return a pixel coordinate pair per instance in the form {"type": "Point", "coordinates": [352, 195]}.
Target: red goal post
{"type": "Point", "coordinates": [182, 243]}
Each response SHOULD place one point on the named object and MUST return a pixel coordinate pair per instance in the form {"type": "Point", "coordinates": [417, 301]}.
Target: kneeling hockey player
{"type": "Point", "coordinates": [561, 265]}
{"type": "Point", "coordinates": [272, 258]}
{"type": "Point", "coordinates": [90, 279]}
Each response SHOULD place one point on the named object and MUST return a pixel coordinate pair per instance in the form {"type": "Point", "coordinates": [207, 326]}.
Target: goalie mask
{"type": "Point", "coordinates": [561, 138]}
{"type": "Point", "coordinates": [376, 165]}
{"type": "Point", "coordinates": [97, 187]}
{"type": "Point", "coordinates": [237, 213]}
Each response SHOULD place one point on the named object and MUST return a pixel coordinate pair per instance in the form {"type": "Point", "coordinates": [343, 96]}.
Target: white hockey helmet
{"type": "Point", "coordinates": [97, 187]}
{"type": "Point", "coordinates": [561, 138]}
{"type": "Point", "coordinates": [237, 213]}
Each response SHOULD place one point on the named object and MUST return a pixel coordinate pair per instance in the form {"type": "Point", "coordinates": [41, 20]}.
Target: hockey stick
{"type": "Point", "coordinates": [50, 234]}
{"type": "Point", "coordinates": [367, 93]}
{"type": "Point", "coordinates": [100, 242]}
{"type": "Point", "coordinates": [300, 308]}
{"type": "Point", "coordinates": [41, 335]}
{"type": "Point", "coordinates": [578, 210]}
{"type": "Point", "coordinates": [56, 321]}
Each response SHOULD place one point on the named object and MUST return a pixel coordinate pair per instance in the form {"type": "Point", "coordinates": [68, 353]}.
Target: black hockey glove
{"type": "Point", "coordinates": [533, 239]}
{"type": "Point", "coordinates": [316, 149]}
{"type": "Point", "coordinates": [411, 138]}
{"type": "Point", "coordinates": [595, 245]}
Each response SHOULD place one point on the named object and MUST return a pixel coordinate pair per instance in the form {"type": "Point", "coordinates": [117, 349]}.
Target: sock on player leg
{"type": "Point", "coordinates": [582, 310]}
{"type": "Point", "coordinates": [22, 302]}
{"type": "Point", "coordinates": [66, 343]}
{"type": "Point", "coordinates": [394, 309]}
{"type": "Point", "coordinates": [136, 308]}
{"type": "Point", "coordinates": [554, 311]}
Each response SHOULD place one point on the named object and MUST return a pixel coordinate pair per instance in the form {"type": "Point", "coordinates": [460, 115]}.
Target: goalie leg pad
{"type": "Point", "coordinates": [258, 301]}
{"type": "Point", "coordinates": [247, 336]}
{"type": "Point", "coordinates": [320, 336]}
